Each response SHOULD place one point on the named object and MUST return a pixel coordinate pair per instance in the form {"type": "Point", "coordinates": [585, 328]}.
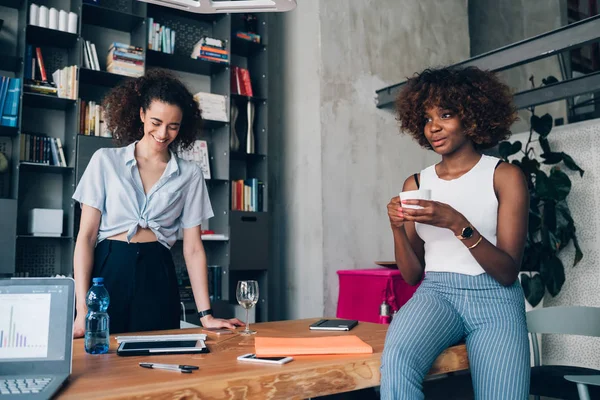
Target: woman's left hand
{"type": "Point", "coordinates": [209, 321]}
{"type": "Point", "coordinates": [434, 213]}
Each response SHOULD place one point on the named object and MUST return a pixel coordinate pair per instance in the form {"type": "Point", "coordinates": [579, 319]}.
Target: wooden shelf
{"type": "Point", "coordinates": [46, 101]}
{"type": "Point", "coordinates": [183, 64]}
{"type": "Point", "coordinates": [108, 18]}
{"type": "Point", "coordinates": [43, 168]}
{"type": "Point", "coordinates": [50, 37]}
{"type": "Point", "coordinates": [100, 78]}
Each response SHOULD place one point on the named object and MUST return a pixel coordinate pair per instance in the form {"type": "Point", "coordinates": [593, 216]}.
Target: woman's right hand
{"type": "Point", "coordinates": [79, 325]}
{"type": "Point", "coordinates": [395, 213]}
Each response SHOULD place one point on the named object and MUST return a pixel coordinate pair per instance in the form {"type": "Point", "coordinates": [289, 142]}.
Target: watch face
{"type": "Point", "coordinates": [467, 232]}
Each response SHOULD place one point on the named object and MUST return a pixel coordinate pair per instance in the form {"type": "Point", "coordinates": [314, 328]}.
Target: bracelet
{"type": "Point", "coordinates": [476, 243]}
{"type": "Point", "coordinates": [205, 313]}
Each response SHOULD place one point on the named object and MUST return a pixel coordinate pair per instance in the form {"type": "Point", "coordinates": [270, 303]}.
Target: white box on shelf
{"type": "Point", "coordinates": [45, 222]}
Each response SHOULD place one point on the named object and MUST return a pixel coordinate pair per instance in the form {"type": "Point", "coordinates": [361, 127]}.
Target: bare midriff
{"type": "Point", "coordinates": [143, 235]}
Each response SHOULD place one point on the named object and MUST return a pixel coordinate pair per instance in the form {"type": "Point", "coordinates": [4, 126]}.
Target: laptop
{"type": "Point", "coordinates": [36, 336]}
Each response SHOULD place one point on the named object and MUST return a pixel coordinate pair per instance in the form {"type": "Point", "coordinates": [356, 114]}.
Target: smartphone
{"type": "Point", "coordinates": [265, 360]}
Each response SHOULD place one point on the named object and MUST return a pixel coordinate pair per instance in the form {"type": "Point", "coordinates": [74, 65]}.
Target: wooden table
{"type": "Point", "coordinates": [221, 376]}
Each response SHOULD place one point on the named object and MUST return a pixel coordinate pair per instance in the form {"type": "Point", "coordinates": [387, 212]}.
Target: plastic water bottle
{"type": "Point", "coordinates": [96, 321]}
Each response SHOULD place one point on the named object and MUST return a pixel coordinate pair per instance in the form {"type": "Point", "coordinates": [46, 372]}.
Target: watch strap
{"type": "Point", "coordinates": [205, 313]}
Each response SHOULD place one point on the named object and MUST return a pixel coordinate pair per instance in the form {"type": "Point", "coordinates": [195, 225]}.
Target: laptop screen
{"type": "Point", "coordinates": [35, 315]}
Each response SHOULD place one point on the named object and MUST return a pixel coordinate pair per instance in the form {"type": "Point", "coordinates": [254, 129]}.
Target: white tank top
{"type": "Point", "coordinates": [472, 195]}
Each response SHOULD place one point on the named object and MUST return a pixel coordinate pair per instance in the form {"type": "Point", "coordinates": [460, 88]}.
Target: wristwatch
{"type": "Point", "coordinates": [205, 313]}
{"type": "Point", "coordinates": [467, 233]}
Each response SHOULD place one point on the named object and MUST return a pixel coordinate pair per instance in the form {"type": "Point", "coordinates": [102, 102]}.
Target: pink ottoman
{"type": "Point", "coordinates": [363, 290]}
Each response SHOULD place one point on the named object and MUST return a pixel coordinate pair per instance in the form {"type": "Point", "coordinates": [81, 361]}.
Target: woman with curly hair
{"type": "Point", "coordinates": [465, 244]}
{"type": "Point", "coordinates": [133, 201]}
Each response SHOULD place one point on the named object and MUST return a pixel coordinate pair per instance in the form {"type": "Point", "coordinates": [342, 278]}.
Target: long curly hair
{"type": "Point", "coordinates": [482, 102]}
{"type": "Point", "coordinates": [122, 107]}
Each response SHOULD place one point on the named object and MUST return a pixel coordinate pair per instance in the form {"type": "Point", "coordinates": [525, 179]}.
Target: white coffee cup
{"type": "Point", "coordinates": [421, 194]}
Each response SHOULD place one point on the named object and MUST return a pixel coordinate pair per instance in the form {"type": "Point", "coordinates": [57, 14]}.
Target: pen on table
{"type": "Point", "coordinates": [186, 369]}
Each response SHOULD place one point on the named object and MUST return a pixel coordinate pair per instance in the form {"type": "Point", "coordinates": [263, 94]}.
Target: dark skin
{"type": "Point", "coordinates": [443, 129]}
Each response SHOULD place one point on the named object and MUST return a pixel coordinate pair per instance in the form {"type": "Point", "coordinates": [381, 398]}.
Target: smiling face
{"type": "Point", "coordinates": [444, 131]}
{"type": "Point", "coordinates": [161, 124]}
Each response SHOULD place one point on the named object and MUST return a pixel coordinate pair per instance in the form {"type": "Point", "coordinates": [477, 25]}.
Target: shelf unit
{"type": "Point", "coordinates": [243, 251]}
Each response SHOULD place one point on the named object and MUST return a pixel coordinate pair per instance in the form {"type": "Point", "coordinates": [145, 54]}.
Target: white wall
{"type": "Point", "coordinates": [335, 159]}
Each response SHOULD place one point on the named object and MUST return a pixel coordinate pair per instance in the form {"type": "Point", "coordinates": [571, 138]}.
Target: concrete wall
{"type": "Point", "coordinates": [497, 23]}
{"type": "Point", "coordinates": [335, 159]}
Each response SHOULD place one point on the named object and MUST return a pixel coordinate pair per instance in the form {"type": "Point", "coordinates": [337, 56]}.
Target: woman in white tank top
{"type": "Point", "coordinates": [464, 245]}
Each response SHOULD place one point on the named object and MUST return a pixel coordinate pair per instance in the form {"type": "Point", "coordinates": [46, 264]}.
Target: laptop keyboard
{"type": "Point", "coordinates": [22, 386]}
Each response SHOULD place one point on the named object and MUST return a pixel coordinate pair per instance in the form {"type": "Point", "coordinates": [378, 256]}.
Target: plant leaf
{"type": "Point", "coordinates": [531, 257]}
{"type": "Point", "coordinates": [507, 149]}
{"type": "Point", "coordinates": [570, 163]}
{"type": "Point", "coordinates": [549, 219]}
{"type": "Point", "coordinates": [542, 185]}
{"type": "Point", "coordinates": [535, 222]}
{"type": "Point", "coordinates": [578, 252]}
{"type": "Point", "coordinates": [553, 274]}
{"type": "Point", "coordinates": [542, 125]}
{"type": "Point", "coordinates": [560, 184]}
{"type": "Point", "coordinates": [549, 80]}
{"type": "Point", "coordinates": [533, 288]}
{"type": "Point", "coordinates": [545, 145]}
{"type": "Point", "coordinates": [552, 158]}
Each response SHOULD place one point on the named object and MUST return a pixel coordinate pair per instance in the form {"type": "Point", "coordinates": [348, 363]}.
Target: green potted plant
{"type": "Point", "coordinates": [551, 227]}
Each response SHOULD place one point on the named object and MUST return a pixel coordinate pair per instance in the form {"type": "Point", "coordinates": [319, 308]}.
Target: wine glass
{"type": "Point", "coordinates": [247, 295]}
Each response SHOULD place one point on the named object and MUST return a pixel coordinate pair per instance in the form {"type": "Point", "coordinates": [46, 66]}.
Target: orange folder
{"type": "Point", "coordinates": [276, 347]}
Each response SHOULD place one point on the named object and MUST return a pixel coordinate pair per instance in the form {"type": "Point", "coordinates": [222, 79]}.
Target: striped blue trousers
{"type": "Point", "coordinates": [446, 308]}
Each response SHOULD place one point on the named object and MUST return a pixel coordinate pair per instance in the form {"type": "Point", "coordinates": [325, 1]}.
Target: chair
{"type": "Point", "coordinates": [582, 382]}
{"type": "Point", "coordinates": [549, 380]}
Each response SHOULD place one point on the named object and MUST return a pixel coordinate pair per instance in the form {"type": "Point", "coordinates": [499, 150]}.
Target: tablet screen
{"type": "Point", "coordinates": [167, 344]}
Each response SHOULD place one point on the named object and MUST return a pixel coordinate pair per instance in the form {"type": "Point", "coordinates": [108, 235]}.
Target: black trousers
{"type": "Point", "coordinates": [141, 281]}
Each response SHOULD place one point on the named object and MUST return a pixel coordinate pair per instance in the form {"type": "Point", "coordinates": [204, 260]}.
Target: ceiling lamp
{"type": "Point", "coordinates": [227, 6]}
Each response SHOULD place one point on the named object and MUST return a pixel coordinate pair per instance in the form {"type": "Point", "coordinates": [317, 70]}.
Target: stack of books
{"type": "Point", "coordinates": [213, 106]}
{"type": "Point", "coordinates": [10, 94]}
{"type": "Point", "coordinates": [240, 82]}
{"type": "Point", "coordinates": [247, 195]}
{"type": "Point", "coordinates": [124, 59]}
{"type": "Point", "coordinates": [210, 49]}
{"type": "Point", "coordinates": [249, 36]}
{"type": "Point", "coordinates": [90, 56]}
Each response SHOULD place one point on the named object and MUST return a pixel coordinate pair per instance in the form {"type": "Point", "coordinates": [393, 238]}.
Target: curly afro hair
{"type": "Point", "coordinates": [483, 104]}
{"type": "Point", "coordinates": [122, 107]}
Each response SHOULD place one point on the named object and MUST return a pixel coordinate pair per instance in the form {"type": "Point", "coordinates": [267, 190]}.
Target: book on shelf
{"type": "Point", "coordinates": [247, 195]}
{"type": "Point", "coordinates": [249, 36]}
{"type": "Point", "coordinates": [160, 38]}
{"type": "Point", "coordinates": [240, 82]}
{"type": "Point", "coordinates": [211, 49]}
{"type": "Point", "coordinates": [90, 55]}
{"type": "Point", "coordinates": [65, 80]}
{"type": "Point", "coordinates": [198, 153]}
{"type": "Point", "coordinates": [42, 149]}
{"type": "Point", "coordinates": [10, 95]}
{"type": "Point", "coordinates": [91, 120]}
{"type": "Point", "coordinates": [125, 59]}
{"type": "Point", "coordinates": [213, 106]}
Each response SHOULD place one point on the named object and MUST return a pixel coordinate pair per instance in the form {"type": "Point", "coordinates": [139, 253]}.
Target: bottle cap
{"type": "Point", "coordinates": [98, 280]}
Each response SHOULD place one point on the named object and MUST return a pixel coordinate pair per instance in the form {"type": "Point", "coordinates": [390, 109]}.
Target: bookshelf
{"type": "Point", "coordinates": [240, 244]}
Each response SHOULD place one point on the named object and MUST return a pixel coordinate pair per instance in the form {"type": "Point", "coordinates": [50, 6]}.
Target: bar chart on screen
{"type": "Point", "coordinates": [24, 325]}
